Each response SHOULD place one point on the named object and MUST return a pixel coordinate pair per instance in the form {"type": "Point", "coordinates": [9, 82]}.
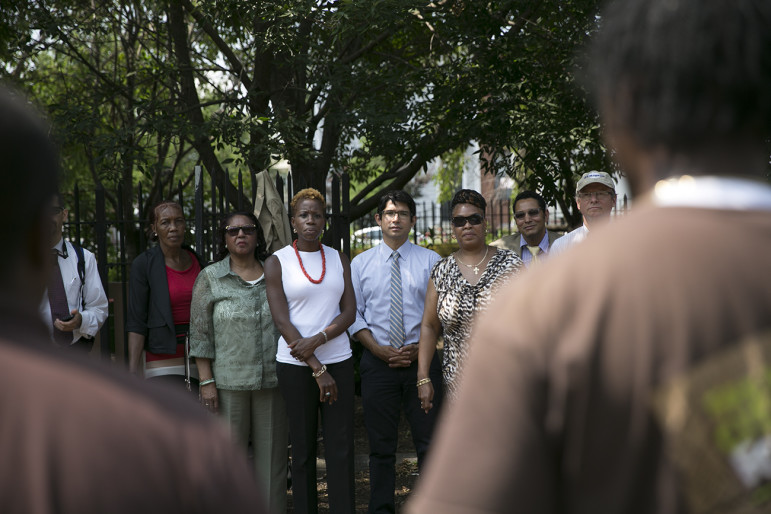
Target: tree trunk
{"type": "Point", "coordinates": [190, 104]}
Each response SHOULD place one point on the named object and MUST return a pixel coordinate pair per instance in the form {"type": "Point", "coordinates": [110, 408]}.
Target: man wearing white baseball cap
{"type": "Point", "coordinates": [596, 197]}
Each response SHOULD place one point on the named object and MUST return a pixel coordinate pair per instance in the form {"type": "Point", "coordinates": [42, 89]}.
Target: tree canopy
{"type": "Point", "coordinates": [141, 90]}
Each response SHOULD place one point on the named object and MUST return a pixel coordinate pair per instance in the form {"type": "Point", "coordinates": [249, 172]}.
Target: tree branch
{"type": "Point", "coordinates": [223, 47]}
{"type": "Point", "coordinates": [189, 98]}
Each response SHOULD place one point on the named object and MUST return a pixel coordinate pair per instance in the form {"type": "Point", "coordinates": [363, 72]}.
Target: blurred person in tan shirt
{"type": "Point", "coordinates": [638, 383]}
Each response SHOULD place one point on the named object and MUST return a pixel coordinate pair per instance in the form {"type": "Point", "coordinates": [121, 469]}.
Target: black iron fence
{"type": "Point", "coordinates": [116, 239]}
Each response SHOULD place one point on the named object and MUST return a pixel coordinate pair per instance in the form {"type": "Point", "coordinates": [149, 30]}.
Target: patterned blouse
{"type": "Point", "coordinates": [459, 302]}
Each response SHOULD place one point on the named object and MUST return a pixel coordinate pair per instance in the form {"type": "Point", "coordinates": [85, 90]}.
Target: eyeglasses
{"type": "Point", "coordinates": [233, 230]}
{"type": "Point", "coordinates": [393, 214]}
{"type": "Point", "coordinates": [56, 210]}
{"type": "Point", "coordinates": [599, 195]}
{"type": "Point", "coordinates": [460, 221]}
{"type": "Point", "coordinates": [520, 215]}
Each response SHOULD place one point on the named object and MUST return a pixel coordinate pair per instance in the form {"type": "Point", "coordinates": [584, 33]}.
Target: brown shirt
{"type": "Point", "coordinates": [79, 437]}
{"type": "Point", "coordinates": [556, 409]}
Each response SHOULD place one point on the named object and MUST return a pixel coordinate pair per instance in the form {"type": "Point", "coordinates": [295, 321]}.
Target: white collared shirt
{"type": "Point", "coordinates": [712, 192]}
{"type": "Point", "coordinates": [95, 312]}
{"type": "Point", "coordinates": [571, 238]}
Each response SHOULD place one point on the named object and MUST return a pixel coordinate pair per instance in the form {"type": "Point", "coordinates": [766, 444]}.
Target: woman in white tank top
{"type": "Point", "coordinates": [312, 302]}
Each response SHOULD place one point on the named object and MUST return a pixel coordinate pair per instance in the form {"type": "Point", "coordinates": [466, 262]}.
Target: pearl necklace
{"type": "Point", "coordinates": [475, 266]}
{"type": "Point", "coordinates": [323, 263]}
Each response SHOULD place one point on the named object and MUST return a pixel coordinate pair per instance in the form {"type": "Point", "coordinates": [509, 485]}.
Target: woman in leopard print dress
{"type": "Point", "coordinates": [461, 287]}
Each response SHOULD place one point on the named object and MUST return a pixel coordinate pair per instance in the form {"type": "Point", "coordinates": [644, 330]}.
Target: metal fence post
{"type": "Point", "coordinates": [335, 213]}
{"type": "Point", "coordinates": [345, 220]}
{"type": "Point", "coordinates": [100, 233]}
{"type": "Point", "coordinates": [240, 191]}
{"type": "Point", "coordinates": [198, 211]}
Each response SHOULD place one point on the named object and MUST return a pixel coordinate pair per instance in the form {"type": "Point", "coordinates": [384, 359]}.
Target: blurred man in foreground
{"type": "Point", "coordinates": [77, 437]}
{"type": "Point", "coordinates": [75, 306]}
{"type": "Point", "coordinates": [640, 382]}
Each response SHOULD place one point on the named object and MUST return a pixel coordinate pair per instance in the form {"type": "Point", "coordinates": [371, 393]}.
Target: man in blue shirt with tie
{"type": "Point", "coordinates": [390, 283]}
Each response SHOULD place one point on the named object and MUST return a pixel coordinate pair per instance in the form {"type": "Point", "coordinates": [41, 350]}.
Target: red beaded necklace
{"type": "Point", "coordinates": [323, 263]}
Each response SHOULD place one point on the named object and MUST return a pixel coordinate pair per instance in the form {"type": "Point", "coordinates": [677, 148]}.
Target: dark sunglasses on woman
{"type": "Point", "coordinates": [249, 230]}
{"type": "Point", "coordinates": [460, 221]}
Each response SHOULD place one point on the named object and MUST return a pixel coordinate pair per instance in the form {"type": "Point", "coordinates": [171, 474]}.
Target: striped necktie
{"type": "Point", "coordinates": [395, 323]}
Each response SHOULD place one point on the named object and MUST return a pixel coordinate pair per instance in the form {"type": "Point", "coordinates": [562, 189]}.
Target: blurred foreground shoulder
{"type": "Point", "coordinates": [81, 437]}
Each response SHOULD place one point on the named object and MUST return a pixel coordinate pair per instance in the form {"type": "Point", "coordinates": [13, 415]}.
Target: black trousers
{"type": "Point", "coordinates": [301, 395]}
{"type": "Point", "coordinates": [83, 344]}
{"type": "Point", "coordinates": [385, 392]}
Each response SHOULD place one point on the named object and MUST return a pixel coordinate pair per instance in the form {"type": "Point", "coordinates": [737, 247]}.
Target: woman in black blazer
{"type": "Point", "coordinates": [160, 289]}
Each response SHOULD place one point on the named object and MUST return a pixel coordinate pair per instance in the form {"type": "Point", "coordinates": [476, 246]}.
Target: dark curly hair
{"type": "Point", "coordinates": [684, 74]}
{"type": "Point", "coordinates": [471, 197]}
{"type": "Point", "coordinates": [30, 174]}
{"type": "Point", "coordinates": [260, 251]}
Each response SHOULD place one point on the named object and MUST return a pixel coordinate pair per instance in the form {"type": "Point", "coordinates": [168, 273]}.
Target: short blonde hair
{"type": "Point", "coordinates": [307, 194]}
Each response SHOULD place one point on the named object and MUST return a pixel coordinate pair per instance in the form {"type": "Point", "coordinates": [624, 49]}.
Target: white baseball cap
{"type": "Point", "coordinates": [595, 177]}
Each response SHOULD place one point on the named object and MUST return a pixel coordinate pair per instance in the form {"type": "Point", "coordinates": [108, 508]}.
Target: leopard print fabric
{"type": "Point", "coordinates": [459, 302]}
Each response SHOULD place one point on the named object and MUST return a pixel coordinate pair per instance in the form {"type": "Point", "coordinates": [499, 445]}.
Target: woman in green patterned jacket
{"type": "Point", "coordinates": [233, 338]}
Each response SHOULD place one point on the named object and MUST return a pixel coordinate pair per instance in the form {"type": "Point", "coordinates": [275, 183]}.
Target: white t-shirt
{"type": "Point", "coordinates": [312, 307]}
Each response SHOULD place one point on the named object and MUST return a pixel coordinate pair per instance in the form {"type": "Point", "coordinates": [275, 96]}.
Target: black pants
{"type": "Point", "coordinates": [301, 395]}
{"type": "Point", "coordinates": [83, 344]}
{"type": "Point", "coordinates": [385, 392]}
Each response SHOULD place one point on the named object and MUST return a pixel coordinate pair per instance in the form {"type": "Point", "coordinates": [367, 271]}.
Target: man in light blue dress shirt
{"type": "Point", "coordinates": [388, 374]}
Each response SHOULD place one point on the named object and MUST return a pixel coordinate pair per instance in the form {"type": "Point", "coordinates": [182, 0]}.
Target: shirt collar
{"type": "Point", "coordinates": [712, 192]}
{"type": "Point", "coordinates": [544, 244]}
{"type": "Point", "coordinates": [386, 251]}
{"type": "Point", "coordinates": [61, 248]}
{"type": "Point", "coordinates": [221, 268]}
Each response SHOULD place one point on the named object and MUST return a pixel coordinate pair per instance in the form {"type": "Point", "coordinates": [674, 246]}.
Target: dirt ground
{"type": "Point", "coordinates": [406, 470]}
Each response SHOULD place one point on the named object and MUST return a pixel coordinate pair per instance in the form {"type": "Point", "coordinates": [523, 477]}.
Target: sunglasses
{"type": "Point", "coordinates": [520, 215]}
{"type": "Point", "coordinates": [232, 230]}
{"type": "Point", "coordinates": [460, 221]}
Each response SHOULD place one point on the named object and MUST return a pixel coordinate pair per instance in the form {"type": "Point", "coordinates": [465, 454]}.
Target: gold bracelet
{"type": "Point", "coordinates": [424, 381]}
{"type": "Point", "coordinates": [317, 374]}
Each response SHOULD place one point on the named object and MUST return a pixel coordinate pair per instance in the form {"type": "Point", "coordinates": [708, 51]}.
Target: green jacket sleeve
{"type": "Point", "coordinates": [201, 318]}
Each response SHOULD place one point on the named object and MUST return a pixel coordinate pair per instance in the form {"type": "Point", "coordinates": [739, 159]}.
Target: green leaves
{"type": "Point", "coordinates": [375, 88]}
